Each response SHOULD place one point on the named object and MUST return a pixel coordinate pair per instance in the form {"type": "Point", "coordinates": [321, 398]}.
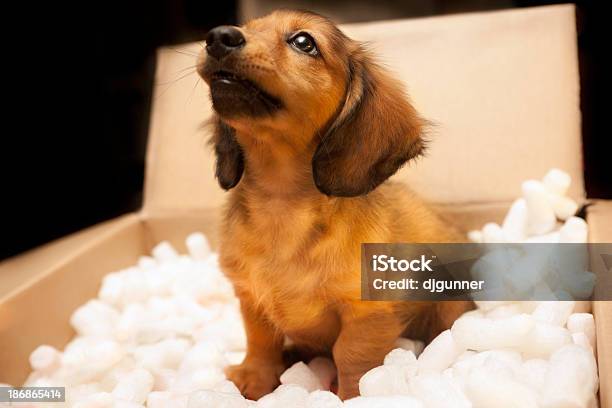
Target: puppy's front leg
{"type": "Point", "coordinates": [259, 373]}
{"type": "Point", "coordinates": [363, 342]}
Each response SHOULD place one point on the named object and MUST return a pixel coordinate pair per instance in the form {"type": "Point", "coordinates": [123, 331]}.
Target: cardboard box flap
{"type": "Point", "coordinates": [501, 87]}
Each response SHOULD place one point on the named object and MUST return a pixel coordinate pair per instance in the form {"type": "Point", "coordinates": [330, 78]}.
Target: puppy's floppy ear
{"type": "Point", "coordinates": [375, 132]}
{"type": "Point", "coordinates": [230, 160]}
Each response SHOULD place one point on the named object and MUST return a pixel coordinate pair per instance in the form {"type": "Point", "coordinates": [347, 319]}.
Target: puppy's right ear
{"type": "Point", "coordinates": [230, 160]}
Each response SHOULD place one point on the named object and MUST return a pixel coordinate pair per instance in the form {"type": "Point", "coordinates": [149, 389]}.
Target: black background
{"type": "Point", "coordinates": [77, 93]}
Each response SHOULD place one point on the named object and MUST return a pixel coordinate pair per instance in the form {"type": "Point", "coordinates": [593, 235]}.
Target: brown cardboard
{"type": "Point", "coordinates": [28, 266]}
{"type": "Point", "coordinates": [600, 230]}
{"type": "Point", "coordinates": [38, 310]}
{"type": "Point", "coordinates": [495, 82]}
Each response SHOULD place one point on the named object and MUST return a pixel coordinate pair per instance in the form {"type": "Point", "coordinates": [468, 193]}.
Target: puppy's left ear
{"type": "Point", "coordinates": [230, 159]}
{"type": "Point", "coordinates": [374, 134]}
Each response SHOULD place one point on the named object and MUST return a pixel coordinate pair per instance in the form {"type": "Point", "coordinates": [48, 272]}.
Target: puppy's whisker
{"type": "Point", "coordinates": [169, 84]}
{"type": "Point", "coordinates": [186, 68]}
{"type": "Point", "coordinates": [190, 98]}
{"type": "Point", "coordinates": [177, 79]}
{"type": "Point", "coordinates": [187, 53]}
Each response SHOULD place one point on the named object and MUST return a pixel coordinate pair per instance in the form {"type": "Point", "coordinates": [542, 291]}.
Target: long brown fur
{"type": "Point", "coordinates": [307, 188]}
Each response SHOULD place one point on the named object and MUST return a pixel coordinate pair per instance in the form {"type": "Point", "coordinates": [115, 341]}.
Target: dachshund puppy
{"type": "Point", "coordinates": [307, 130]}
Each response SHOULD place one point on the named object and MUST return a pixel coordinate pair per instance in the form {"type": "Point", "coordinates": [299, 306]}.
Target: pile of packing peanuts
{"type": "Point", "coordinates": [160, 334]}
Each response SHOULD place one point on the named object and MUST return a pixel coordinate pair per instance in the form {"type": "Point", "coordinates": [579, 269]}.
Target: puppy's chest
{"type": "Point", "coordinates": [297, 261]}
{"type": "Point", "coordinates": [288, 267]}
{"type": "Point", "coordinates": [291, 293]}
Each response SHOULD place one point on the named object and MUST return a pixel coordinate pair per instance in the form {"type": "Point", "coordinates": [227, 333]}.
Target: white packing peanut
{"type": "Point", "coordinates": [45, 359]}
{"type": "Point", "coordinates": [487, 387]}
{"type": "Point", "coordinates": [541, 218]}
{"type": "Point", "coordinates": [401, 357]}
{"type": "Point", "coordinates": [571, 378]}
{"type": "Point", "coordinates": [323, 399]}
{"type": "Point", "coordinates": [203, 354]}
{"type": "Point", "coordinates": [544, 339]}
{"type": "Point", "coordinates": [395, 401]}
{"type": "Point", "coordinates": [227, 387]}
{"type": "Point", "coordinates": [384, 380]}
{"type": "Point", "coordinates": [416, 346]}
{"type": "Point", "coordinates": [438, 391]}
{"type": "Point", "coordinates": [475, 236]}
{"type": "Point", "coordinates": [555, 313]}
{"type": "Point", "coordinates": [164, 252]}
{"type": "Point", "coordinates": [514, 226]}
{"type": "Point", "coordinates": [164, 378]}
{"type": "Point", "coordinates": [135, 386]}
{"type": "Point", "coordinates": [198, 246]}
{"type": "Point", "coordinates": [300, 374]}
{"type": "Point", "coordinates": [533, 372]}
{"type": "Point", "coordinates": [289, 395]}
{"type": "Point", "coordinates": [492, 233]}
{"type": "Point", "coordinates": [146, 263]}
{"type": "Point", "coordinates": [504, 311]}
{"type": "Point", "coordinates": [202, 379]}
{"type": "Point", "coordinates": [575, 230]}
{"type": "Point", "coordinates": [492, 334]}
{"type": "Point", "coordinates": [564, 207]}
{"type": "Point", "coordinates": [86, 359]}
{"type": "Point", "coordinates": [581, 339]}
{"type": "Point", "coordinates": [97, 400]}
{"type": "Point", "coordinates": [126, 404]}
{"type": "Point", "coordinates": [94, 318]}
{"type": "Point", "coordinates": [160, 399]}
{"type": "Point", "coordinates": [164, 354]}
{"type": "Point", "coordinates": [324, 369]}
{"type": "Point", "coordinates": [216, 399]}
{"type": "Point", "coordinates": [585, 323]}
{"type": "Point", "coordinates": [440, 353]}
{"type": "Point", "coordinates": [557, 182]}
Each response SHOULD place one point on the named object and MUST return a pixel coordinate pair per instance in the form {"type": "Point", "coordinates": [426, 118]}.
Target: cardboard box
{"type": "Point", "coordinates": [502, 88]}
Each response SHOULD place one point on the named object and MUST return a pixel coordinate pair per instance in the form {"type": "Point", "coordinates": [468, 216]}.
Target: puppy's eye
{"type": "Point", "coordinates": [303, 42]}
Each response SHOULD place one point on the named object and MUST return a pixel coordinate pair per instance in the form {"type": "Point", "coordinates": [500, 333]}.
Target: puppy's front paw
{"type": "Point", "coordinates": [348, 386]}
{"type": "Point", "coordinates": [255, 380]}
{"type": "Point", "coordinates": [345, 393]}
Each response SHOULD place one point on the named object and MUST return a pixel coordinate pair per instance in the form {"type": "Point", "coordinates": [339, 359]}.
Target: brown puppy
{"type": "Point", "coordinates": [308, 129]}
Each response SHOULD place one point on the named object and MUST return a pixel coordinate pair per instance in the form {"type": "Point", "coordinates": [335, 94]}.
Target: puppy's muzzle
{"type": "Point", "coordinates": [233, 91]}
{"type": "Point", "coordinates": [223, 40]}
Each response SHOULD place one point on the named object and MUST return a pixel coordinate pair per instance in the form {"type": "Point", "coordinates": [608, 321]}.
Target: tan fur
{"type": "Point", "coordinates": [292, 252]}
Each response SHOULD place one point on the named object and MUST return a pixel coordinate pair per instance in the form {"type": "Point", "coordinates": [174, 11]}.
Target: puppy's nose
{"type": "Point", "coordinates": [222, 40]}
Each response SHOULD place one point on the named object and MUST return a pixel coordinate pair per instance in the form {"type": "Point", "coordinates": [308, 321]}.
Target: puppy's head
{"type": "Point", "coordinates": [298, 75]}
